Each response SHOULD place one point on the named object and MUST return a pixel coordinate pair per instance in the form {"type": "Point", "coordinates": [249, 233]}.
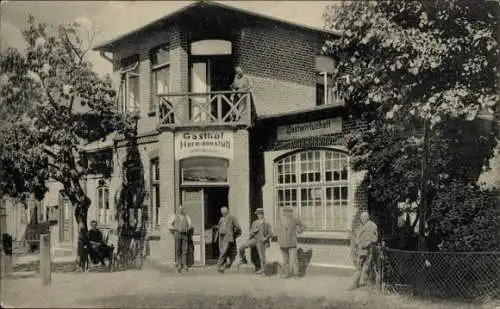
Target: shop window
{"type": "Point", "coordinates": [160, 73]}
{"type": "Point", "coordinates": [315, 183]}
{"type": "Point", "coordinates": [154, 210]}
{"type": "Point", "coordinates": [104, 215]}
{"type": "Point", "coordinates": [129, 85]}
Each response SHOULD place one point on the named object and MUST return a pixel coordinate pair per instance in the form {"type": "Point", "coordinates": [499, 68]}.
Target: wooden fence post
{"type": "Point", "coordinates": [45, 259]}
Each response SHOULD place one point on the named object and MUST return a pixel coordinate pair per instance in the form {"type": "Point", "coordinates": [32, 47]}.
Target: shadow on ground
{"type": "Point", "coordinates": [194, 301]}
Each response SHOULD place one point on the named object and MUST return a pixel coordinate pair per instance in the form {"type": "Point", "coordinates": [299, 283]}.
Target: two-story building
{"type": "Point", "coordinates": [205, 146]}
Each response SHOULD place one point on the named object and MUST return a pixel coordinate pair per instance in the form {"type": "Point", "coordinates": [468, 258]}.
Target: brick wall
{"type": "Point", "coordinates": [280, 63]}
{"type": "Point", "coordinates": [279, 60]}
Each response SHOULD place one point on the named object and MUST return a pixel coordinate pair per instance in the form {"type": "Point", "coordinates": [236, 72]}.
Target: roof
{"type": "Point", "coordinates": [236, 6]}
{"type": "Point", "coordinates": [299, 112]}
{"type": "Point", "coordinates": [98, 145]}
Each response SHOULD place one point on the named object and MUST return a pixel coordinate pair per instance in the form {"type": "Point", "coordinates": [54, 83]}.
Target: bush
{"type": "Point", "coordinates": [466, 218]}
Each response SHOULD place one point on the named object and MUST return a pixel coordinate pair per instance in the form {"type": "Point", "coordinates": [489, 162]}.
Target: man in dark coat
{"type": "Point", "coordinates": [98, 247]}
{"type": "Point", "coordinates": [229, 230]}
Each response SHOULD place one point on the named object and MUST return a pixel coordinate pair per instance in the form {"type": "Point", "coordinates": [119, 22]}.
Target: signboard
{"type": "Point", "coordinates": [210, 143]}
{"type": "Point", "coordinates": [307, 129]}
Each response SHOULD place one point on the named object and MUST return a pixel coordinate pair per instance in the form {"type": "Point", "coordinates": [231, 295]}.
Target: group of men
{"type": "Point", "coordinates": [229, 231]}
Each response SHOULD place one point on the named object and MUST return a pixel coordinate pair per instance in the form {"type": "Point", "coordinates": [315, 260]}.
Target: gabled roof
{"type": "Point", "coordinates": [231, 5]}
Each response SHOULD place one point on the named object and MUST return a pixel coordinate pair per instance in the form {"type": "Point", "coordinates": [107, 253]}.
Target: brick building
{"type": "Point", "coordinates": [205, 146]}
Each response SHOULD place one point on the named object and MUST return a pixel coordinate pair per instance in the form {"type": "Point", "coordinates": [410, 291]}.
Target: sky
{"type": "Point", "coordinates": [115, 18]}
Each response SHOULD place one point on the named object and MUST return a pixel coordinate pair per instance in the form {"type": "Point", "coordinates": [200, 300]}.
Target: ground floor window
{"type": "Point", "coordinates": [154, 210]}
{"type": "Point", "coordinates": [315, 182]}
{"type": "Point", "coordinates": [104, 212]}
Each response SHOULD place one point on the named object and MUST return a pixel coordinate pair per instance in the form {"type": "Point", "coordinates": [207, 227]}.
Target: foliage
{"type": "Point", "coordinates": [403, 64]}
{"type": "Point", "coordinates": [56, 105]}
{"type": "Point", "coordinates": [466, 217]}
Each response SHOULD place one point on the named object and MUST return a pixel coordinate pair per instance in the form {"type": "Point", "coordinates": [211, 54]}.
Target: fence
{"type": "Point", "coordinates": [440, 274]}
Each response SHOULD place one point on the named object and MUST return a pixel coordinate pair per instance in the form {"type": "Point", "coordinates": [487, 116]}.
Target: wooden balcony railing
{"type": "Point", "coordinates": [213, 108]}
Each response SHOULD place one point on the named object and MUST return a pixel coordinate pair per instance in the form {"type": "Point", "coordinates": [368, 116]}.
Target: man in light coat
{"type": "Point", "coordinates": [364, 241]}
{"type": "Point", "coordinates": [260, 236]}
{"type": "Point", "coordinates": [288, 228]}
{"type": "Point", "coordinates": [229, 230]}
{"type": "Point", "coordinates": [180, 226]}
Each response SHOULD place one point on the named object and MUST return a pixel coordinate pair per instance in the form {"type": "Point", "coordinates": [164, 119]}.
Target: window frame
{"type": "Point", "coordinates": [129, 70]}
{"type": "Point", "coordinates": [327, 220]}
{"type": "Point", "coordinates": [155, 196]}
{"type": "Point", "coordinates": [157, 67]}
{"type": "Point", "coordinates": [103, 205]}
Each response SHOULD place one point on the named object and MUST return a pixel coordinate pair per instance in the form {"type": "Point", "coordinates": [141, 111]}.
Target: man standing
{"type": "Point", "coordinates": [229, 231]}
{"type": "Point", "coordinates": [364, 241]}
{"type": "Point", "coordinates": [240, 83]}
{"type": "Point", "coordinates": [180, 226]}
{"type": "Point", "coordinates": [260, 236]}
{"type": "Point", "coordinates": [288, 228]}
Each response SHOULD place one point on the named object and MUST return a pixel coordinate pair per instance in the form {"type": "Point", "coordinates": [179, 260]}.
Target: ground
{"type": "Point", "coordinates": [199, 288]}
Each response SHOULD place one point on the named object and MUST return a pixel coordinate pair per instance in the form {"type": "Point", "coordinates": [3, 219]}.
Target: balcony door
{"type": "Point", "coordinates": [209, 74]}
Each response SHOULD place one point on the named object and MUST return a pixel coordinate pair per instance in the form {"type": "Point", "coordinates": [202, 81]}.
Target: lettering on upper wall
{"type": "Point", "coordinates": [308, 129]}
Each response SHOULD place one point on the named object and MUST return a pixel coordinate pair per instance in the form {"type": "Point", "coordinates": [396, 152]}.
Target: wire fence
{"type": "Point", "coordinates": [463, 275]}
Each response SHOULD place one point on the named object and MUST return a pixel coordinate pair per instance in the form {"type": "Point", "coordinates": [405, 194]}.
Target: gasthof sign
{"type": "Point", "coordinates": [307, 129]}
{"type": "Point", "coordinates": [211, 143]}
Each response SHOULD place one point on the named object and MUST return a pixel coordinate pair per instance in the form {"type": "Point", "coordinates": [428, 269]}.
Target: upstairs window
{"type": "Point", "coordinates": [326, 90]}
{"type": "Point", "coordinates": [160, 73]}
{"type": "Point", "coordinates": [129, 85]}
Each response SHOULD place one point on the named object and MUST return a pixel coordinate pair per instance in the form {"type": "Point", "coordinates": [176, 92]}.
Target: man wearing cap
{"type": "Point", "coordinates": [288, 228]}
{"type": "Point", "coordinates": [180, 226]}
{"type": "Point", "coordinates": [229, 230]}
{"type": "Point", "coordinates": [364, 242]}
{"type": "Point", "coordinates": [260, 236]}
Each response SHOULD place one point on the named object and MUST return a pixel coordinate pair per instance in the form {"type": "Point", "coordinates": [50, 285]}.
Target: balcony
{"type": "Point", "coordinates": [226, 108]}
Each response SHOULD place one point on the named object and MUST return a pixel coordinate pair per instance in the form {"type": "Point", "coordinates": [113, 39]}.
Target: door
{"type": "Point", "coordinates": [200, 83]}
{"type": "Point", "coordinates": [65, 232]}
{"type": "Point", "coordinates": [193, 201]}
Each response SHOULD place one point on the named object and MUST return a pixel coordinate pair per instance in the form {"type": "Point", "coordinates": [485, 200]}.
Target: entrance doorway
{"type": "Point", "coordinates": [203, 204]}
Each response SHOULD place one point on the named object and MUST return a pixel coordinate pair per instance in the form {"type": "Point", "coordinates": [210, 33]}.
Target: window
{"type": "Point", "coordinates": [315, 182]}
{"type": "Point", "coordinates": [104, 212]}
{"type": "Point", "coordinates": [155, 193]}
{"type": "Point", "coordinates": [160, 71]}
{"type": "Point", "coordinates": [326, 87]}
{"type": "Point", "coordinates": [129, 85]}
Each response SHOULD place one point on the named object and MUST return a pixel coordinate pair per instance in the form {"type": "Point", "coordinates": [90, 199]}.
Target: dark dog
{"type": "Point", "coordinates": [83, 258]}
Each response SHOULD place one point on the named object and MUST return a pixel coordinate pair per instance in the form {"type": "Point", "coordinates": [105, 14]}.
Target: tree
{"type": "Point", "coordinates": [420, 73]}
{"type": "Point", "coordinates": [56, 104]}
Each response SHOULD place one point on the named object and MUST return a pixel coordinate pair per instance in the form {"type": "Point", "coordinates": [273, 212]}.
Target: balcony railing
{"type": "Point", "coordinates": [213, 108]}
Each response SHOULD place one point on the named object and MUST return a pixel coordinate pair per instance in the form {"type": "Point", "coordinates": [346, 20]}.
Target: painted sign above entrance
{"type": "Point", "coordinates": [308, 129]}
{"type": "Point", "coordinates": [211, 143]}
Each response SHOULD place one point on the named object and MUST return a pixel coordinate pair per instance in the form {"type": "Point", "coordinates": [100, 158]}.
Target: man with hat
{"type": "Point", "coordinates": [181, 227]}
{"type": "Point", "coordinates": [228, 231]}
{"type": "Point", "coordinates": [260, 236]}
{"type": "Point", "coordinates": [288, 228]}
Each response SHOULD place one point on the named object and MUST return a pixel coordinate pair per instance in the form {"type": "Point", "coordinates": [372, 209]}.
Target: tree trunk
{"type": "Point", "coordinates": [424, 189]}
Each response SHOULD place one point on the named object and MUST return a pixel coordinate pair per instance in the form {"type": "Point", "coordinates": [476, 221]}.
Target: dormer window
{"type": "Point", "coordinates": [129, 85]}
